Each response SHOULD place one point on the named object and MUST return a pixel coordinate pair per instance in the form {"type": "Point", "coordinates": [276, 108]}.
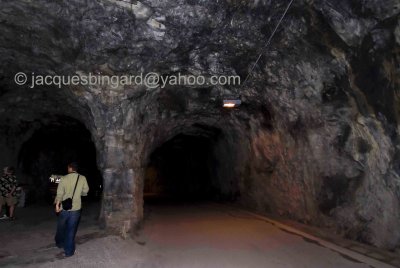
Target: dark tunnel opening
{"type": "Point", "coordinates": [183, 169]}
{"type": "Point", "coordinates": [48, 152]}
{"type": "Point", "coordinates": [180, 168]}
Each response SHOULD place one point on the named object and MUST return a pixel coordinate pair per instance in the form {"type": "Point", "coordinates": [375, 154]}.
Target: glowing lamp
{"type": "Point", "coordinates": [231, 103]}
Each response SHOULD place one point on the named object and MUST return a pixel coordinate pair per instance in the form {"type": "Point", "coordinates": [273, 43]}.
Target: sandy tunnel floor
{"type": "Point", "coordinates": [192, 235]}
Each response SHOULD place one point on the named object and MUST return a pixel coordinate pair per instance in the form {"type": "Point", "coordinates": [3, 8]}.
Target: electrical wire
{"type": "Point", "coordinates": [268, 42]}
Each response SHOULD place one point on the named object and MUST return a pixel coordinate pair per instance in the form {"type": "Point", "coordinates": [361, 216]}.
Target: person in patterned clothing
{"type": "Point", "coordinates": [8, 186]}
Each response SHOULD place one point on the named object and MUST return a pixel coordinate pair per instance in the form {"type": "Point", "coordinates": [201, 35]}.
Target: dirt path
{"type": "Point", "coordinates": [195, 235]}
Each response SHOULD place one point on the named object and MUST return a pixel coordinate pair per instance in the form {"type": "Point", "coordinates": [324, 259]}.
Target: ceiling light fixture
{"type": "Point", "coordinates": [231, 103]}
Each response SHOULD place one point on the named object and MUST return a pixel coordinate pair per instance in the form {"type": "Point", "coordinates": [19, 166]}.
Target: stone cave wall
{"type": "Point", "coordinates": [331, 155]}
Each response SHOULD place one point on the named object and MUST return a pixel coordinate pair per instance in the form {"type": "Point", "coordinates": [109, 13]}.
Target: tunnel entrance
{"type": "Point", "coordinates": [53, 145]}
{"type": "Point", "coordinates": [183, 168]}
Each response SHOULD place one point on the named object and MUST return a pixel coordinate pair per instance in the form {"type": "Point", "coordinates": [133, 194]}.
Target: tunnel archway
{"type": "Point", "coordinates": [51, 147]}
{"type": "Point", "coordinates": [181, 168]}
{"type": "Point", "coordinates": [187, 167]}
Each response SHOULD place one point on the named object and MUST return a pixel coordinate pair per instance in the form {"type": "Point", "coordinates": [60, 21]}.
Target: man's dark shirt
{"type": "Point", "coordinates": [7, 183]}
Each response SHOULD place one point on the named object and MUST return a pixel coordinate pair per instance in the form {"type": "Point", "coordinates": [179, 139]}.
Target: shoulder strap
{"type": "Point", "coordinates": [75, 187]}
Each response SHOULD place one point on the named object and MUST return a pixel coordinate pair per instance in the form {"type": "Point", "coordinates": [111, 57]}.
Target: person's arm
{"type": "Point", "coordinates": [59, 196]}
{"type": "Point", "coordinates": [58, 207]}
{"type": "Point", "coordinates": [85, 188]}
{"type": "Point", "coordinates": [13, 189]}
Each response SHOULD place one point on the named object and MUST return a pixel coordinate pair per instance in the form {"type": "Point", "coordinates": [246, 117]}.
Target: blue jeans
{"type": "Point", "coordinates": [67, 225]}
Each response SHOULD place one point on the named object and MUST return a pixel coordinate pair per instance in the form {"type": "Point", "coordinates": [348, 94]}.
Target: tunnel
{"type": "Point", "coordinates": [56, 143]}
{"type": "Point", "coordinates": [265, 129]}
{"type": "Point", "coordinates": [184, 168]}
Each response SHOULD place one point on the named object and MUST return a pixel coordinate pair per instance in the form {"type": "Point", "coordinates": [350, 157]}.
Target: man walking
{"type": "Point", "coordinates": [71, 186]}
